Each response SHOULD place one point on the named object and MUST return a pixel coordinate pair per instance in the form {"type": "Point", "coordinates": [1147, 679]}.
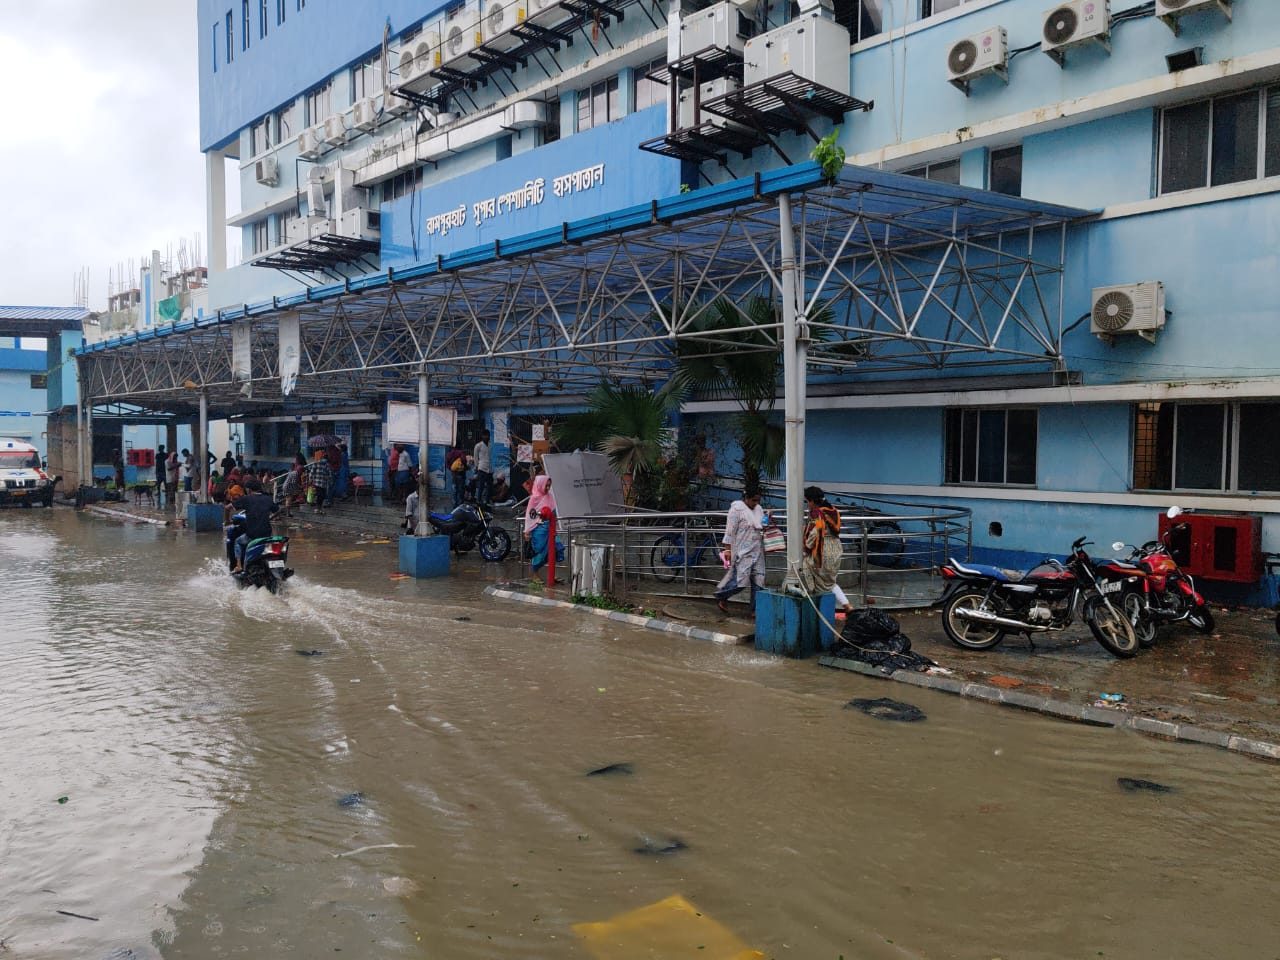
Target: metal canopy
{"type": "Point", "coordinates": [899, 273]}
{"type": "Point", "coordinates": [40, 321]}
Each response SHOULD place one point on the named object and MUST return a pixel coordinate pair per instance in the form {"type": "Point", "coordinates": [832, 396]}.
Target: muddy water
{"type": "Point", "coordinates": [204, 762]}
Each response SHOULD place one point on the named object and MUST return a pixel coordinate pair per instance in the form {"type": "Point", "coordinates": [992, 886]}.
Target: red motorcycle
{"type": "Point", "coordinates": [1167, 594]}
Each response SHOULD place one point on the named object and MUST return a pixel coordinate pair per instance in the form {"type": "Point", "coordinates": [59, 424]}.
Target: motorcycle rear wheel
{"type": "Point", "coordinates": [1111, 628]}
{"type": "Point", "coordinates": [969, 634]}
{"type": "Point", "coordinates": [1201, 619]}
{"type": "Point", "coordinates": [494, 545]}
{"type": "Point", "coordinates": [1143, 625]}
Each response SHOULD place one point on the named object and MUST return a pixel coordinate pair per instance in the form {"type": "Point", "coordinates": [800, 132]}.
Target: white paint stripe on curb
{"type": "Point", "coordinates": [125, 515]}
{"type": "Point", "coordinates": [650, 623]}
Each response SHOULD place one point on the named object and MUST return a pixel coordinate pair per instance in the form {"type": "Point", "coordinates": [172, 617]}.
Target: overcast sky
{"type": "Point", "coordinates": [100, 160]}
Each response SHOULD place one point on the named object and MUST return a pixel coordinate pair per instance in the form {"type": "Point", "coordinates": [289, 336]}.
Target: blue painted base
{"type": "Point", "coordinates": [423, 557]}
{"type": "Point", "coordinates": [203, 517]}
{"type": "Point", "coordinates": [788, 626]}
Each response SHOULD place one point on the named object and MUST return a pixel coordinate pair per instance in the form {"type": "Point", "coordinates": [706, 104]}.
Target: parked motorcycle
{"type": "Point", "coordinates": [1168, 595]}
{"type": "Point", "coordinates": [265, 559]}
{"type": "Point", "coordinates": [983, 603]}
{"type": "Point", "coordinates": [469, 525]}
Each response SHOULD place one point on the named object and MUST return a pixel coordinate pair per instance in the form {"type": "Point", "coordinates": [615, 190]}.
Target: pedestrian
{"type": "Point", "coordinates": [410, 521]}
{"type": "Point", "coordinates": [161, 457]}
{"type": "Point", "coordinates": [258, 509]}
{"type": "Point", "coordinates": [334, 457]}
{"type": "Point", "coordinates": [344, 470]}
{"type": "Point", "coordinates": [291, 489]}
{"type": "Point", "coordinates": [318, 477]}
{"type": "Point", "coordinates": [185, 466]}
{"type": "Point", "coordinates": [537, 521]}
{"type": "Point", "coordinates": [744, 550]}
{"type": "Point", "coordinates": [457, 460]}
{"type": "Point", "coordinates": [117, 463]}
{"type": "Point", "coordinates": [482, 456]}
{"type": "Point", "coordinates": [401, 464]}
{"type": "Point", "coordinates": [228, 463]}
{"type": "Point", "coordinates": [172, 468]}
{"type": "Point", "coordinates": [820, 563]}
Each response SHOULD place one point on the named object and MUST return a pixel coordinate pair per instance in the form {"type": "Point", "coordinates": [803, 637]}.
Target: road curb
{"type": "Point", "coordinates": [1063, 709]}
{"type": "Point", "coordinates": [633, 619]}
{"type": "Point", "coordinates": [126, 515]}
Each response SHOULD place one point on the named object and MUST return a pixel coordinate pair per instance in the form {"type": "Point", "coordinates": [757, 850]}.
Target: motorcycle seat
{"type": "Point", "coordinates": [442, 517]}
{"type": "Point", "coordinates": [986, 570]}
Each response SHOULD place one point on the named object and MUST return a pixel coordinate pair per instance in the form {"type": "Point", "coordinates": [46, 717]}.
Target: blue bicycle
{"type": "Point", "coordinates": [671, 556]}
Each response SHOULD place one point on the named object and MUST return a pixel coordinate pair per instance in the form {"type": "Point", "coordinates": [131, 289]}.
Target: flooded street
{"type": "Point", "coordinates": [417, 788]}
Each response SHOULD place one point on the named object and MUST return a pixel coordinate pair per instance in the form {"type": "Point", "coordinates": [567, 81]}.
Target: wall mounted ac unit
{"type": "Point", "coordinates": [418, 59]}
{"type": "Point", "coordinates": [304, 228]}
{"type": "Point", "coordinates": [976, 56]}
{"type": "Point", "coordinates": [267, 171]}
{"type": "Point", "coordinates": [335, 130]}
{"type": "Point", "coordinates": [725, 25]}
{"type": "Point", "coordinates": [365, 115]}
{"type": "Point", "coordinates": [360, 223]}
{"type": "Point", "coordinates": [309, 144]}
{"type": "Point", "coordinates": [811, 47]}
{"type": "Point", "coordinates": [497, 17]}
{"type": "Point", "coordinates": [1171, 11]}
{"type": "Point", "coordinates": [1075, 22]}
{"type": "Point", "coordinates": [1130, 308]}
{"type": "Point", "coordinates": [707, 91]}
{"type": "Point", "coordinates": [461, 35]}
{"type": "Point", "coordinates": [397, 105]}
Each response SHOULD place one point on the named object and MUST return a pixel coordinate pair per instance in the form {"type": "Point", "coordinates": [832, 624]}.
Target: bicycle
{"type": "Point", "coordinates": [671, 557]}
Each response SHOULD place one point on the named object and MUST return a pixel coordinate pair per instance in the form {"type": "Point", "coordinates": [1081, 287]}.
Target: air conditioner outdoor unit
{"type": "Point", "coordinates": [309, 145]}
{"type": "Point", "coordinates": [1073, 23]}
{"type": "Point", "coordinates": [304, 228]}
{"type": "Point", "coordinates": [397, 105]}
{"type": "Point", "coordinates": [361, 223]}
{"type": "Point", "coordinates": [335, 130]}
{"type": "Point", "coordinates": [461, 36]}
{"type": "Point", "coordinates": [365, 115]}
{"type": "Point", "coordinates": [1171, 11]}
{"type": "Point", "coordinates": [811, 47]}
{"type": "Point", "coordinates": [319, 227]}
{"type": "Point", "coordinates": [499, 16]}
{"type": "Point", "coordinates": [725, 25]}
{"type": "Point", "coordinates": [976, 56]}
{"type": "Point", "coordinates": [707, 91]}
{"type": "Point", "coordinates": [267, 171]}
{"type": "Point", "coordinates": [1131, 308]}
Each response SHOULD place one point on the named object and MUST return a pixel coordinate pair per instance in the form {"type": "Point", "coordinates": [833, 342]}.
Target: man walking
{"type": "Point", "coordinates": [319, 477]}
{"type": "Point", "coordinates": [172, 467]}
{"type": "Point", "coordinates": [484, 468]}
{"type": "Point", "coordinates": [161, 457]}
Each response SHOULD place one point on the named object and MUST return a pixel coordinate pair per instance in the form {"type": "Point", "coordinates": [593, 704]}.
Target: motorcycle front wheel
{"type": "Point", "coordinates": [970, 634]}
{"type": "Point", "coordinates": [1111, 628]}
{"type": "Point", "coordinates": [1142, 625]}
{"type": "Point", "coordinates": [1202, 620]}
{"type": "Point", "coordinates": [495, 544]}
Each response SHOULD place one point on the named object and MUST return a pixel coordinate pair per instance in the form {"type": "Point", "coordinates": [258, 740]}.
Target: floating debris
{"type": "Point", "coordinates": [351, 800]}
{"type": "Point", "coordinates": [661, 847]}
{"type": "Point", "coordinates": [882, 708]}
{"type": "Point", "coordinates": [1134, 785]}
{"type": "Point", "coordinates": [611, 769]}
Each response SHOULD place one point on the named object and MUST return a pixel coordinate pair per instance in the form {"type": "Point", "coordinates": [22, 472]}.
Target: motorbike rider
{"type": "Point", "coordinates": [258, 509]}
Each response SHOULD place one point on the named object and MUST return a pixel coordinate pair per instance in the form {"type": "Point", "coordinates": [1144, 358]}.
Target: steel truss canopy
{"type": "Point", "coordinates": [899, 275]}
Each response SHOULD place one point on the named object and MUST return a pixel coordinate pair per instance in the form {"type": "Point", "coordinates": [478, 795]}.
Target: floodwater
{"type": "Point", "coordinates": [204, 762]}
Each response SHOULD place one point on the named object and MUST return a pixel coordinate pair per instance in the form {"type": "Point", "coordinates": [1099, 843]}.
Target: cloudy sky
{"type": "Point", "coordinates": [100, 160]}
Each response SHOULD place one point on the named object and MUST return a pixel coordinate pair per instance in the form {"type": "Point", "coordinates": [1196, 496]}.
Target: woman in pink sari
{"type": "Point", "coordinates": [537, 520]}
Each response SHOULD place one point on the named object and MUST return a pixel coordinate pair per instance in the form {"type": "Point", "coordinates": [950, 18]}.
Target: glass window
{"type": "Point", "coordinates": [364, 440]}
{"type": "Point", "coordinates": [948, 171]}
{"type": "Point", "coordinates": [1229, 139]}
{"type": "Point", "coordinates": [1006, 171]}
{"type": "Point", "coordinates": [1235, 139]}
{"type": "Point", "coordinates": [231, 36]}
{"type": "Point", "coordinates": [1206, 446]}
{"type": "Point", "coordinates": [1271, 132]}
{"type": "Point", "coordinates": [990, 446]}
{"type": "Point", "coordinates": [598, 104]}
{"type": "Point", "coordinates": [261, 239]}
{"type": "Point", "coordinates": [244, 23]}
{"type": "Point", "coordinates": [366, 78]}
{"type": "Point", "coordinates": [648, 92]}
{"type": "Point", "coordinates": [862, 18]}
{"type": "Point", "coordinates": [1200, 446]}
{"type": "Point", "coordinates": [280, 11]}
{"type": "Point", "coordinates": [1184, 160]}
{"type": "Point", "coordinates": [1259, 453]}
{"type": "Point", "coordinates": [290, 120]}
{"type": "Point", "coordinates": [261, 135]}
{"type": "Point", "coordinates": [319, 104]}
{"type": "Point", "coordinates": [401, 185]}
{"type": "Point", "coordinates": [216, 27]}
{"type": "Point", "coordinates": [929, 7]}
{"type": "Point", "coordinates": [262, 19]}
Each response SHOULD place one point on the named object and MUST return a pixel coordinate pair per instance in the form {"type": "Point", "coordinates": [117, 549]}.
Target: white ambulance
{"type": "Point", "coordinates": [22, 479]}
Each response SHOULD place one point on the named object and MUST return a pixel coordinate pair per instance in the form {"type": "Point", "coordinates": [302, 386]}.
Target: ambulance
{"type": "Point", "coordinates": [22, 479]}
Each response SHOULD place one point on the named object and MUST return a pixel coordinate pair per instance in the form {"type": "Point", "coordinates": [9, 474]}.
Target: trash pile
{"type": "Point", "coordinates": [873, 637]}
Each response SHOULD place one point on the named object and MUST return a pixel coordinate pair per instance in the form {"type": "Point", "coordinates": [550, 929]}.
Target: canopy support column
{"type": "Point", "coordinates": [795, 342]}
{"type": "Point", "coordinates": [424, 438]}
{"type": "Point", "coordinates": [202, 451]}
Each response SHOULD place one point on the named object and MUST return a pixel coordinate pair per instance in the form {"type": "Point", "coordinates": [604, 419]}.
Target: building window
{"type": "Point", "coordinates": [319, 103]}
{"type": "Point", "coordinates": [290, 121]}
{"type": "Point", "coordinates": [1005, 174]}
{"type": "Point", "coordinates": [216, 27]}
{"type": "Point", "coordinates": [1206, 446]}
{"type": "Point", "coordinates": [862, 18]}
{"type": "Point", "coordinates": [366, 78]}
{"type": "Point", "coordinates": [280, 11]}
{"type": "Point", "coordinates": [302, 4]}
{"type": "Point", "coordinates": [948, 171]}
{"type": "Point", "coordinates": [262, 19]}
{"type": "Point", "coordinates": [991, 446]}
{"type": "Point", "coordinates": [231, 36]}
{"type": "Point", "coordinates": [261, 239]}
{"type": "Point", "coordinates": [401, 185]}
{"type": "Point", "coordinates": [598, 104]}
{"type": "Point", "coordinates": [244, 24]}
{"type": "Point", "coordinates": [648, 92]}
{"type": "Point", "coordinates": [261, 135]}
{"type": "Point", "coordinates": [364, 440]}
{"type": "Point", "coordinates": [1228, 139]}
{"type": "Point", "coordinates": [39, 381]}
{"type": "Point", "coordinates": [929, 7]}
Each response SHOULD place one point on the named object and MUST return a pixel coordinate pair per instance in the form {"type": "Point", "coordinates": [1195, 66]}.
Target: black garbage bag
{"type": "Point", "coordinates": [873, 637]}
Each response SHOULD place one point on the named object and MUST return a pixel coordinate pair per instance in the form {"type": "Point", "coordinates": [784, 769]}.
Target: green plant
{"type": "Point", "coordinates": [600, 602]}
{"type": "Point", "coordinates": [829, 155]}
{"type": "Point", "coordinates": [685, 188]}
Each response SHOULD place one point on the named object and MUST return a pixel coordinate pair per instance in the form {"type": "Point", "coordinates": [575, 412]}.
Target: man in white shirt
{"type": "Point", "coordinates": [484, 468]}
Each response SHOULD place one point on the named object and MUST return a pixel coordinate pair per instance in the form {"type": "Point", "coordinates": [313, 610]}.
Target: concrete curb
{"type": "Point", "coordinates": [633, 619]}
{"type": "Point", "coordinates": [126, 515]}
{"type": "Point", "coordinates": [1081, 713]}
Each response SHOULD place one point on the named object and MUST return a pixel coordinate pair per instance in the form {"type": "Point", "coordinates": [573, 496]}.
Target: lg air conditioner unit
{"type": "Point", "coordinates": [360, 223]}
{"type": "Point", "coordinates": [1131, 308]}
{"type": "Point", "coordinates": [976, 56]}
{"type": "Point", "coordinates": [397, 105]}
{"type": "Point", "coordinates": [309, 144]}
{"type": "Point", "coordinates": [461, 36]}
{"type": "Point", "coordinates": [1075, 22]}
{"type": "Point", "coordinates": [365, 115]}
{"type": "Point", "coordinates": [723, 25]}
{"type": "Point", "coordinates": [335, 130]}
{"type": "Point", "coordinates": [499, 16]}
{"type": "Point", "coordinates": [267, 171]}
{"type": "Point", "coordinates": [1171, 11]}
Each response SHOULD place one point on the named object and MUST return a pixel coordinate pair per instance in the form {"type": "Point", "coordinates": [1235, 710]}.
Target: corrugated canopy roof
{"type": "Point", "coordinates": [40, 321]}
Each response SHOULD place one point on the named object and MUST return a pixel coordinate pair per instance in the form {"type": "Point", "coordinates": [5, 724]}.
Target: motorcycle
{"type": "Point", "coordinates": [265, 559]}
{"type": "Point", "coordinates": [982, 603]}
{"type": "Point", "coordinates": [469, 525]}
{"type": "Point", "coordinates": [1168, 594]}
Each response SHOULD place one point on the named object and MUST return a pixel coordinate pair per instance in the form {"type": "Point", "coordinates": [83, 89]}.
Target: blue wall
{"type": "Point", "coordinates": [22, 408]}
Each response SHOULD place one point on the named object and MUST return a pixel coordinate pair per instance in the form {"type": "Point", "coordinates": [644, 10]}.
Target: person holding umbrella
{"type": "Point", "coordinates": [319, 478]}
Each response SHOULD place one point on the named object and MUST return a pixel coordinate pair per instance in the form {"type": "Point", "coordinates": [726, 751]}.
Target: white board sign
{"type": "Point", "coordinates": [402, 424]}
{"type": "Point", "coordinates": [584, 484]}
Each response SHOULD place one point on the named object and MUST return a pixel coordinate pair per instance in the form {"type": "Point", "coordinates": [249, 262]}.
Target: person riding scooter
{"type": "Point", "coordinates": [258, 510]}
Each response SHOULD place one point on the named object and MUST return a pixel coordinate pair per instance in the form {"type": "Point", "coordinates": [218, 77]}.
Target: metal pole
{"type": "Point", "coordinates": [79, 442]}
{"type": "Point", "coordinates": [424, 439]}
{"type": "Point", "coordinates": [88, 440]}
{"type": "Point", "coordinates": [202, 451]}
{"type": "Point", "coordinates": [794, 357]}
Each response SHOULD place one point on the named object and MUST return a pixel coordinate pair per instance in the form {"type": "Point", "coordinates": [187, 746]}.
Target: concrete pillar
{"type": "Point", "coordinates": [202, 447]}
{"type": "Point", "coordinates": [795, 341]}
{"type": "Point", "coordinates": [216, 202]}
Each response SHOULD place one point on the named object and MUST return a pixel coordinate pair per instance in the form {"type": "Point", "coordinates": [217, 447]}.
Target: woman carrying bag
{"type": "Point", "coordinates": [744, 550]}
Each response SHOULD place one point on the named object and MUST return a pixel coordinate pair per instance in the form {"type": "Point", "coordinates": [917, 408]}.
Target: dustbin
{"type": "Point", "coordinates": [591, 569]}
